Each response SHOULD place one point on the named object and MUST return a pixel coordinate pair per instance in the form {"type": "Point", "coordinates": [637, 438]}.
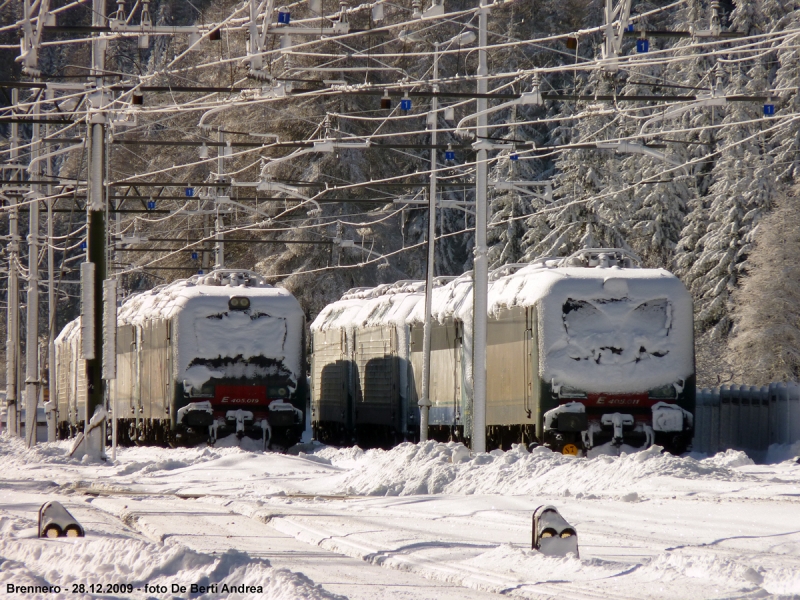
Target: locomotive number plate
{"type": "Point", "coordinates": [239, 394]}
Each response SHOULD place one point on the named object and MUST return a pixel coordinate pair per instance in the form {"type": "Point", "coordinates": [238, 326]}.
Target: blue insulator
{"type": "Point", "coordinates": [83, 245]}
{"type": "Point", "coordinates": [449, 155]}
{"type": "Point", "coordinates": [514, 156]}
{"type": "Point", "coordinates": [194, 255]}
{"type": "Point", "coordinates": [284, 17]}
{"type": "Point", "coordinates": [189, 192]}
{"type": "Point", "coordinates": [769, 110]}
{"type": "Point", "coordinates": [630, 28]}
{"type": "Point", "coordinates": [405, 104]}
{"type": "Point", "coordinates": [151, 204]}
{"type": "Point", "coordinates": [642, 46]}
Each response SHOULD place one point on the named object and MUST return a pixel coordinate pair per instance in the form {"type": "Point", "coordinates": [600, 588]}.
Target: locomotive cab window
{"type": "Point", "coordinates": [613, 331]}
{"type": "Point", "coordinates": [239, 303]}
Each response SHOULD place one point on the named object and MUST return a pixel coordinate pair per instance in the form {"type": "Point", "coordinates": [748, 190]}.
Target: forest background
{"type": "Point", "coordinates": [719, 210]}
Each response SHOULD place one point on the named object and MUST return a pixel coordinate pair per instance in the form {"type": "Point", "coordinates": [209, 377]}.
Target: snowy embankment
{"type": "Point", "coordinates": [115, 551]}
{"type": "Point", "coordinates": [437, 468]}
{"type": "Point", "coordinates": [666, 568]}
{"type": "Point", "coordinates": [650, 525]}
{"type": "Point", "coordinates": [74, 565]}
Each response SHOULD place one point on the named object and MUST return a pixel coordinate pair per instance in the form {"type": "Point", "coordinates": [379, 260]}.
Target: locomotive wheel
{"type": "Point", "coordinates": [677, 445]}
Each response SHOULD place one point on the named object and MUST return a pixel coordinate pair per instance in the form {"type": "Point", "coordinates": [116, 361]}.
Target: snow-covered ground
{"type": "Point", "coordinates": [419, 521]}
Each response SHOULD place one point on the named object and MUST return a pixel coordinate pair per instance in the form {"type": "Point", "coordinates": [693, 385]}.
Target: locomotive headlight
{"type": "Point", "coordinates": [570, 392]}
{"type": "Point", "coordinates": [239, 303]}
{"type": "Point", "coordinates": [665, 392]}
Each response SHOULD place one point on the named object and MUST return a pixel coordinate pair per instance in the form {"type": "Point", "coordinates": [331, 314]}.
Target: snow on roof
{"type": "Point", "coordinates": [71, 329]}
{"type": "Point", "coordinates": [524, 285]}
{"type": "Point", "coordinates": [447, 301]}
{"type": "Point", "coordinates": [527, 285]}
{"type": "Point", "coordinates": [386, 304]}
{"type": "Point", "coordinates": [165, 302]}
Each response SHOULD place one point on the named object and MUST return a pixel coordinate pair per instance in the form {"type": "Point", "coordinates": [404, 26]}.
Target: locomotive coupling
{"type": "Point", "coordinates": [552, 535]}
{"type": "Point", "coordinates": [240, 416]}
{"type": "Point", "coordinates": [617, 421]}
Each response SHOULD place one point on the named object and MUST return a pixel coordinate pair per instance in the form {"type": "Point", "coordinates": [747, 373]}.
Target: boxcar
{"type": "Point", "coordinates": [360, 367]}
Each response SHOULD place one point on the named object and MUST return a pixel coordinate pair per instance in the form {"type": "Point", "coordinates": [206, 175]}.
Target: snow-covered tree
{"type": "Point", "coordinates": [765, 345]}
{"type": "Point", "coordinates": [696, 72]}
{"type": "Point", "coordinates": [506, 230]}
{"type": "Point", "coordinates": [742, 191]}
{"type": "Point", "coordinates": [657, 201]}
{"type": "Point", "coordinates": [787, 82]}
{"type": "Point", "coordinates": [586, 212]}
{"type": "Point", "coordinates": [508, 208]}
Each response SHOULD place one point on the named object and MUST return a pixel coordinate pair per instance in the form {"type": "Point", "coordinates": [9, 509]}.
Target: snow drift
{"type": "Point", "coordinates": [111, 561]}
{"type": "Point", "coordinates": [437, 468]}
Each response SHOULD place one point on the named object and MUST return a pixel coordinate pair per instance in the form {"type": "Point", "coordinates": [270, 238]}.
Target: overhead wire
{"type": "Point", "coordinates": [629, 111]}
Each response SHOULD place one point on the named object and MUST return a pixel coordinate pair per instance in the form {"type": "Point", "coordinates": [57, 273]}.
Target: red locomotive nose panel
{"type": "Point", "coordinates": [619, 400]}
{"type": "Point", "coordinates": [226, 395]}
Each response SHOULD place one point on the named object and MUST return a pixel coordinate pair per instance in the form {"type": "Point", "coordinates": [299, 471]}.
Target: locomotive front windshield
{"type": "Point", "coordinates": [617, 331]}
{"type": "Point", "coordinates": [615, 344]}
{"type": "Point", "coordinates": [234, 347]}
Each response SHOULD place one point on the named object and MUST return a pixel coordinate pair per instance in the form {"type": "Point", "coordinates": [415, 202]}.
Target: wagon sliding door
{"type": "Point", "coordinates": [126, 372]}
{"type": "Point", "coordinates": [445, 382]}
{"type": "Point", "coordinates": [65, 365]}
{"type": "Point", "coordinates": [153, 376]}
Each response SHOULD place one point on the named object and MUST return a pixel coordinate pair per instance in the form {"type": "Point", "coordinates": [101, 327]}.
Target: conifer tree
{"type": "Point", "coordinates": [584, 213]}
{"type": "Point", "coordinates": [765, 342]}
{"type": "Point", "coordinates": [787, 80]}
{"type": "Point", "coordinates": [742, 191]}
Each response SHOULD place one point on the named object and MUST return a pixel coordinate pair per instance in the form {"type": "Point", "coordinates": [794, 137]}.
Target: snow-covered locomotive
{"type": "Point", "coordinates": [584, 354]}
{"type": "Point", "coordinates": [198, 359]}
